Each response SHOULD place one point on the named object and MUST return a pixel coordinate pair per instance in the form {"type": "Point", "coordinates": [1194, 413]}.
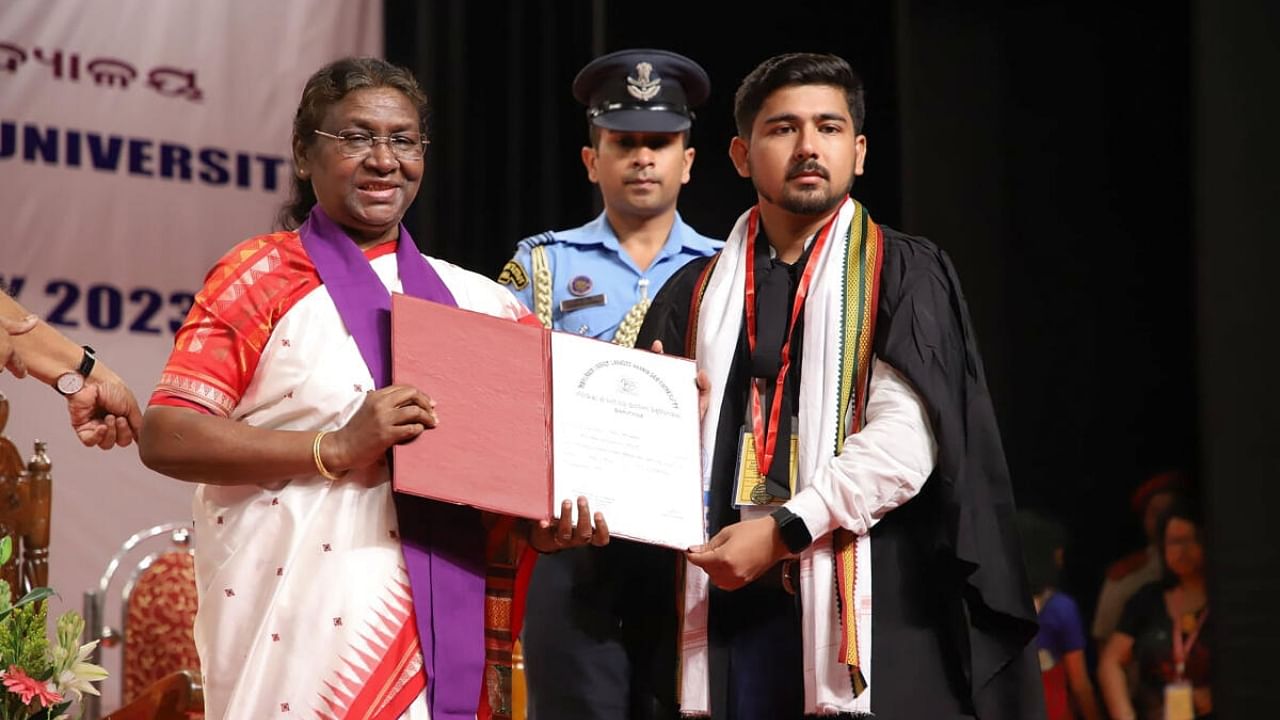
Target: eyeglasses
{"type": "Point", "coordinates": [406, 148]}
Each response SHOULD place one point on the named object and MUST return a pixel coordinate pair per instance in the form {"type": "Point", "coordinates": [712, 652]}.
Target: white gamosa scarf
{"type": "Point", "coordinates": [827, 683]}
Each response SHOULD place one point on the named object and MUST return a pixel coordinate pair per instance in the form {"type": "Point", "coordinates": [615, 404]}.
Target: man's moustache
{"type": "Point", "coordinates": [809, 166]}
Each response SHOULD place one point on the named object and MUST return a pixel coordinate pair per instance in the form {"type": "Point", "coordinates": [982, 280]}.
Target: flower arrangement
{"type": "Point", "coordinates": [40, 680]}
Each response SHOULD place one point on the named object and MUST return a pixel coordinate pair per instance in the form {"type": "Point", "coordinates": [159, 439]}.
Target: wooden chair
{"type": "Point", "coordinates": [177, 696]}
{"type": "Point", "coordinates": [157, 607]}
{"type": "Point", "coordinates": [26, 493]}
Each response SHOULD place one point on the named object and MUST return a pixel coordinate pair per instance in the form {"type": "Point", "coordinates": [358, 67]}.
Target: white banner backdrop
{"type": "Point", "coordinates": [139, 140]}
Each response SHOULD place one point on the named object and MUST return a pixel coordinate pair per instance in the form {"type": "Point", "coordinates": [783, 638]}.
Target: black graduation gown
{"type": "Point", "coordinates": [953, 622]}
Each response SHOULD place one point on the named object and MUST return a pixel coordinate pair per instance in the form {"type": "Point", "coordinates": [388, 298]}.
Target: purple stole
{"type": "Point", "coordinates": [443, 544]}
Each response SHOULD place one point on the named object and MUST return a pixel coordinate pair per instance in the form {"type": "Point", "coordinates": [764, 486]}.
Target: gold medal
{"type": "Point", "coordinates": [760, 494]}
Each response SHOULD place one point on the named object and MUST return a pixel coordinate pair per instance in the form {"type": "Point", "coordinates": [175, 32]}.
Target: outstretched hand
{"type": "Point", "coordinates": [703, 382]}
{"type": "Point", "coordinates": [10, 359]}
{"type": "Point", "coordinates": [562, 533]}
{"type": "Point", "coordinates": [104, 412]}
{"type": "Point", "coordinates": [740, 553]}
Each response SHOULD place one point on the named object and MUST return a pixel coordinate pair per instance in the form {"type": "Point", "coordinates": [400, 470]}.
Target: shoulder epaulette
{"type": "Point", "coordinates": [533, 241]}
{"type": "Point", "coordinates": [1127, 565]}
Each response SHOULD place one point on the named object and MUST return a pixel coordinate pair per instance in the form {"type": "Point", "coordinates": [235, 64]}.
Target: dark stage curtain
{"type": "Point", "coordinates": [506, 132]}
{"type": "Point", "coordinates": [1237, 191]}
{"type": "Point", "coordinates": [1047, 147]}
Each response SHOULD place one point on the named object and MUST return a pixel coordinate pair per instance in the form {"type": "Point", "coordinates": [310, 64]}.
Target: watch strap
{"type": "Point", "coordinates": [87, 361]}
{"type": "Point", "coordinates": [795, 534]}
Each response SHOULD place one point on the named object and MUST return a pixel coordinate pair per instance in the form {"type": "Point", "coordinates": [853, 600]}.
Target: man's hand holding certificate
{"type": "Point", "coordinates": [531, 418]}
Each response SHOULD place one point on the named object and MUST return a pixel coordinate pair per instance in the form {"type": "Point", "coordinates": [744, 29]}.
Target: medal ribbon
{"type": "Point", "coordinates": [1182, 648]}
{"type": "Point", "coordinates": [766, 442]}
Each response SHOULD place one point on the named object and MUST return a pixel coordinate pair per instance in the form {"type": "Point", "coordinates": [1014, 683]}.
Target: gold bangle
{"type": "Point", "coordinates": [315, 454]}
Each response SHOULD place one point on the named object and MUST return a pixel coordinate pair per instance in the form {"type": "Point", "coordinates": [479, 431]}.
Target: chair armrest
{"type": "Point", "coordinates": [169, 698]}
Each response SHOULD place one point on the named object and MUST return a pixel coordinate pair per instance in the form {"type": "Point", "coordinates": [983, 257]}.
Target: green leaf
{"type": "Point", "coordinates": [39, 593]}
{"type": "Point", "coordinates": [6, 549]}
{"type": "Point", "coordinates": [24, 641]}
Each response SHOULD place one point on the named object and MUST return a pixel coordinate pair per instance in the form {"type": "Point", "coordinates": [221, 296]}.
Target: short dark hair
{"type": "Point", "coordinates": [792, 69]}
{"type": "Point", "coordinates": [1182, 508]}
{"type": "Point", "coordinates": [326, 88]}
{"type": "Point", "coordinates": [593, 135]}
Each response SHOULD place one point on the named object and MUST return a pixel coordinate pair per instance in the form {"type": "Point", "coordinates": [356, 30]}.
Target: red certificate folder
{"type": "Point", "coordinates": [490, 380]}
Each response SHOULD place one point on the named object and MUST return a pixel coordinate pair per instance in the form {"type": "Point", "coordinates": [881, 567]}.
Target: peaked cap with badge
{"type": "Point", "coordinates": [642, 90]}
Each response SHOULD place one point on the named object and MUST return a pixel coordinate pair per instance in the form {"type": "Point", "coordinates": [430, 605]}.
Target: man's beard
{"type": "Point", "coordinates": [813, 202]}
{"type": "Point", "coordinates": [808, 202]}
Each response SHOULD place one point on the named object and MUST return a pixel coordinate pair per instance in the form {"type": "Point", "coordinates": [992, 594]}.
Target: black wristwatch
{"type": "Point", "coordinates": [795, 534]}
{"type": "Point", "coordinates": [70, 383]}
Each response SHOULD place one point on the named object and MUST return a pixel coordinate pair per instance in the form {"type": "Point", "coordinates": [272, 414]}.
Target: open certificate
{"type": "Point", "coordinates": [625, 429]}
{"type": "Point", "coordinates": [530, 417]}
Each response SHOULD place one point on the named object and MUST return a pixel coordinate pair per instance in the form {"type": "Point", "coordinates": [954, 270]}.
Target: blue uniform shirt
{"type": "Point", "coordinates": [594, 282]}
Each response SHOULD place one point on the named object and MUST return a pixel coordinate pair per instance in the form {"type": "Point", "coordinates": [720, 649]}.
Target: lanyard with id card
{"type": "Point", "coordinates": [759, 441]}
{"type": "Point", "coordinates": [1179, 700]}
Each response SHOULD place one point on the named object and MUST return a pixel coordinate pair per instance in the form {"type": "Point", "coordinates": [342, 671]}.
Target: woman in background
{"type": "Point", "coordinates": [1164, 630]}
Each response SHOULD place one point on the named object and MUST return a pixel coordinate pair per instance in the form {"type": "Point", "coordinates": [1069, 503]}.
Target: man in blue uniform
{"type": "Point", "coordinates": [597, 279]}
{"type": "Point", "coordinates": [584, 657]}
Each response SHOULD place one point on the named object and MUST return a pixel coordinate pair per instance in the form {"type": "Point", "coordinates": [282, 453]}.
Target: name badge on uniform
{"type": "Point", "coordinates": [748, 486]}
{"type": "Point", "coordinates": [1178, 701]}
{"type": "Point", "coordinates": [567, 306]}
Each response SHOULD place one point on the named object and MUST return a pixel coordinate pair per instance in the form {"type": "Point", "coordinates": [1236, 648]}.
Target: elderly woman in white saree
{"type": "Point", "coordinates": [316, 581]}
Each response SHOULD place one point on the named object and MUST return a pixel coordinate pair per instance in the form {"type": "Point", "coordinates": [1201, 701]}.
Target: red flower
{"type": "Point", "coordinates": [25, 687]}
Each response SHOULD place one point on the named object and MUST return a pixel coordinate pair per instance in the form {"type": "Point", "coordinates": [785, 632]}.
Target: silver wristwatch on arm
{"type": "Point", "coordinates": [71, 382]}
